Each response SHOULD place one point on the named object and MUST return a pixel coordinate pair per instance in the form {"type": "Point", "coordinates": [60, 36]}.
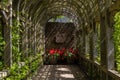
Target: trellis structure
{"type": "Point", "coordinates": [86, 14]}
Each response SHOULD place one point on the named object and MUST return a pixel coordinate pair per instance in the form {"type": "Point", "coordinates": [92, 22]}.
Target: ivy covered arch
{"type": "Point", "coordinates": [32, 16]}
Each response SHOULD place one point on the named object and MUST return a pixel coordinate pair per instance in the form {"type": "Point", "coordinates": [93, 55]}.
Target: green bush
{"type": "Point", "coordinates": [20, 73]}
{"type": "Point", "coordinates": [2, 44]}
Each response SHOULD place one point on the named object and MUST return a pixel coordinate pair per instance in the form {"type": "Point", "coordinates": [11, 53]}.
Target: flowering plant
{"type": "Point", "coordinates": [53, 54]}
{"type": "Point", "coordinates": [62, 54]}
{"type": "Point", "coordinates": [72, 55]}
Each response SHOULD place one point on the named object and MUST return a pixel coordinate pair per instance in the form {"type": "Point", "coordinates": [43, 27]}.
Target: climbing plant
{"type": "Point", "coordinates": [26, 69]}
{"type": "Point", "coordinates": [15, 40]}
{"type": "Point", "coordinates": [97, 46]}
{"type": "Point", "coordinates": [2, 44]}
{"type": "Point", "coordinates": [117, 39]}
{"type": "Point", "coordinates": [5, 1]}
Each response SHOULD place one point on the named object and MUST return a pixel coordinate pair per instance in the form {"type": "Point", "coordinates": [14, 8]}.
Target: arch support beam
{"type": "Point", "coordinates": [8, 37]}
{"type": "Point", "coordinates": [93, 42]}
{"type": "Point", "coordinates": [107, 46]}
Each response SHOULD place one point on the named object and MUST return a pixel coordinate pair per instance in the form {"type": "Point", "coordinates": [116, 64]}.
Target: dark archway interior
{"type": "Point", "coordinates": [59, 35]}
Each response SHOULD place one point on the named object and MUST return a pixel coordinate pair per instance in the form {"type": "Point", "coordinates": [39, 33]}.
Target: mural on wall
{"type": "Point", "coordinates": [59, 35]}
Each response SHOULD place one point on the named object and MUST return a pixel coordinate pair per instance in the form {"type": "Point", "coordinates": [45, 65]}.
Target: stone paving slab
{"type": "Point", "coordinates": [59, 72]}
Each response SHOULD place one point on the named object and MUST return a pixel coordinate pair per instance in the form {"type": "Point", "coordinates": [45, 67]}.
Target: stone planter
{"type": "Point", "coordinates": [3, 74]}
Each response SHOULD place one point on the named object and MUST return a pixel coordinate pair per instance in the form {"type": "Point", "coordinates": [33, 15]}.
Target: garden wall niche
{"type": "Point", "coordinates": [59, 35]}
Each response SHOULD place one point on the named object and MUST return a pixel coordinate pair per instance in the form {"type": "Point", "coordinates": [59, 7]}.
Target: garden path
{"type": "Point", "coordinates": [59, 72]}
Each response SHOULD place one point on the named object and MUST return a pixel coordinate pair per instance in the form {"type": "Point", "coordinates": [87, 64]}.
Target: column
{"type": "Point", "coordinates": [8, 38]}
{"type": "Point", "coordinates": [107, 46]}
{"type": "Point", "coordinates": [110, 43]}
{"type": "Point", "coordinates": [93, 42]}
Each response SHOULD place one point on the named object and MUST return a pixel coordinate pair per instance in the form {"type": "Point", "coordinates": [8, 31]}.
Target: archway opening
{"type": "Point", "coordinates": [61, 19]}
{"type": "Point", "coordinates": [60, 41]}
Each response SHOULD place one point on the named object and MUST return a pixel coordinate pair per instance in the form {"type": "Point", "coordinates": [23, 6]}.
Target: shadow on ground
{"type": "Point", "coordinates": [59, 72]}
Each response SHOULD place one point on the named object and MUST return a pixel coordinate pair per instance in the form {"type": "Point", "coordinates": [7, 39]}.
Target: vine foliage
{"type": "Point", "coordinates": [2, 44]}
{"type": "Point", "coordinates": [117, 39]}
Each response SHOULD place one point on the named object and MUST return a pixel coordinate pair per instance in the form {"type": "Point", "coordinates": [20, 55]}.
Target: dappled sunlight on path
{"type": "Point", "coordinates": [59, 72]}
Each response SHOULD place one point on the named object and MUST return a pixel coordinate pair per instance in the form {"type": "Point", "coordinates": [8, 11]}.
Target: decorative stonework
{"type": "Point", "coordinates": [59, 35]}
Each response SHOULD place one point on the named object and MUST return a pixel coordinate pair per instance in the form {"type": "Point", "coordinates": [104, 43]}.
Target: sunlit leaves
{"type": "Point", "coordinates": [30, 65]}
{"type": "Point", "coordinates": [15, 39]}
{"type": "Point", "coordinates": [117, 39]}
{"type": "Point", "coordinates": [2, 44]}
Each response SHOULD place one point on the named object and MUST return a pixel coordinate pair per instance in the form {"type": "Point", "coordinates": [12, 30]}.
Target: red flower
{"type": "Point", "coordinates": [55, 51]}
{"type": "Point", "coordinates": [52, 51]}
{"type": "Point", "coordinates": [71, 50]}
{"type": "Point", "coordinates": [76, 51]}
{"type": "Point", "coordinates": [59, 52]}
{"type": "Point", "coordinates": [63, 49]}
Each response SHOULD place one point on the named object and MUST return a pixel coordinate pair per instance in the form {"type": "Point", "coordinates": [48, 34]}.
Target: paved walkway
{"type": "Point", "coordinates": [59, 72]}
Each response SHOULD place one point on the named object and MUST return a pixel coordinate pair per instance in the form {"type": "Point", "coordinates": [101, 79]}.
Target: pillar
{"type": "Point", "coordinates": [24, 40]}
{"type": "Point", "coordinates": [83, 41]}
{"type": "Point", "coordinates": [8, 38]}
{"type": "Point", "coordinates": [93, 41]}
{"type": "Point", "coordinates": [87, 48]}
{"type": "Point", "coordinates": [35, 39]}
{"type": "Point", "coordinates": [110, 43]}
{"type": "Point", "coordinates": [107, 46]}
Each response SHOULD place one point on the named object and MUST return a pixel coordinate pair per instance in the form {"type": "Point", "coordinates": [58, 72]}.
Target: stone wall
{"type": "Point", "coordinates": [59, 35]}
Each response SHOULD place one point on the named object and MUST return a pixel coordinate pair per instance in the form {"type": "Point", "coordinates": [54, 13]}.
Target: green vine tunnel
{"type": "Point", "coordinates": [34, 14]}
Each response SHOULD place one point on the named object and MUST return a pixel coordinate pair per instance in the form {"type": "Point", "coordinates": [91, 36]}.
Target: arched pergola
{"type": "Point", "coordinates": [33, 15]}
